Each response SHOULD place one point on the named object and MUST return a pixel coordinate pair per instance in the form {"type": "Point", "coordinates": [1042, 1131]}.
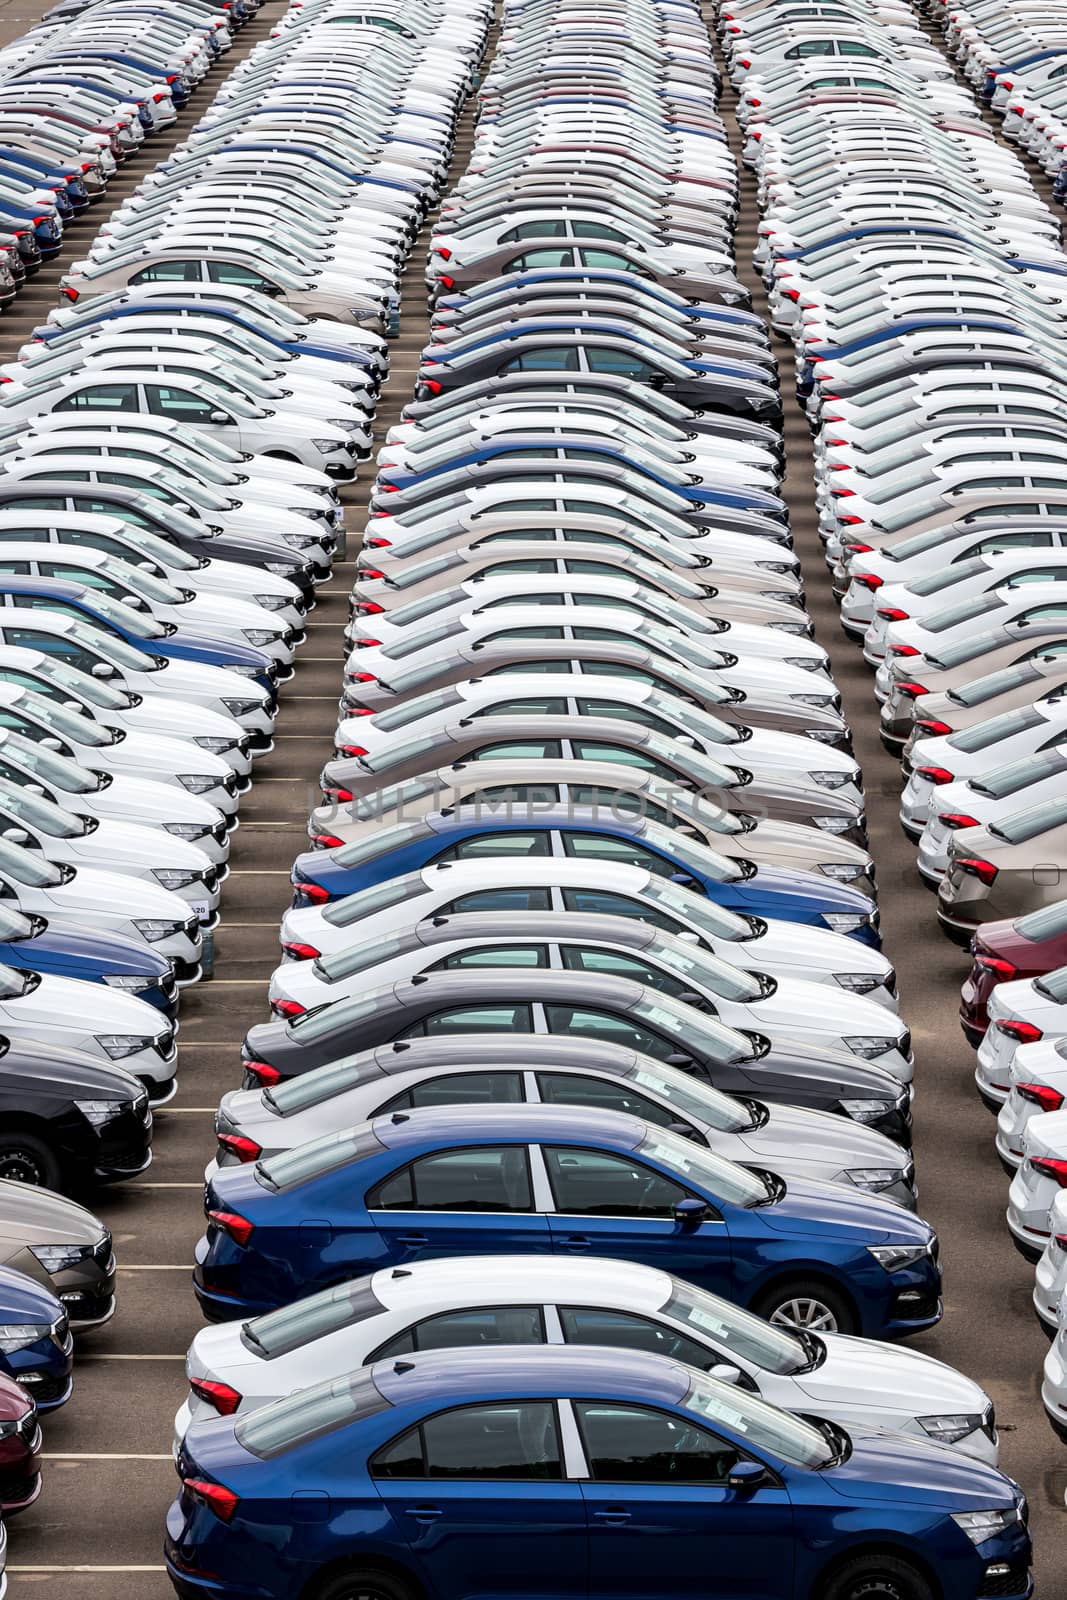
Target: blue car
{"type": "Point", "coordinates": [138, 630]}
{"type": "Point", "coordinates": [36, 1348]}
{"type": "Point", "coordinates": [70, 950]}
{"type": "Point", "coordinates": [468, 833]}
{"type": "Point", "coordinates": [490, 1180]}
{"type": "Point", "coordinates": [581, 1474]}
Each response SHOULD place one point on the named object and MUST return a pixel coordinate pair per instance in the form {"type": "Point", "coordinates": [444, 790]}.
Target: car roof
{"type": "Point", "coordinates": [463, 1279]}
{"type": "Point", "coordinates": [520, 1124]}
{"type": "Point", "coordinates": [531, 1370]}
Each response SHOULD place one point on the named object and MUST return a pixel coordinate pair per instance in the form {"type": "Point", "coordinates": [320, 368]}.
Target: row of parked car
{"type": "Point", "coordinates": [924, 317]}
{"type": "Point", "coordinates": [171, 452]}
{"type": "Point", "coordinates": [582, 1036]}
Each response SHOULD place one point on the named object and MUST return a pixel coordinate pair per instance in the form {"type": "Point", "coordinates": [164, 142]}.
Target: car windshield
{"type": "Point", "coordinates": [23, 866]}
{"type": "Point", "coordinates": [309, 1414]}
{"type": "Point", "coordinates": [318, 1157]}
{"type": "Point", "coordinates": [704, 862]}
{"type": "Point", "coordinates": [705, 972]}
{"type": "Point", "coordinates": [355, 907]}
{"type": "Point", "coordinates": [280, 1332]}
{"type": "Point", "coordinates": [713, 1175]}
{"type": "Point", "coordinates": [984, 734]}
{"type": "Point", "coordinates": [763, 1426]}
{"type": "Point", "coordinates": [715, 1040]}
{"type": "Point", "coordinates": [70, 724]}
{"type": "Point", "coordinates": [694, 911]}
{"type": "Point", "coordinates": [1053, 985]}
{"type": "Point", "coordinates": [1050, 922]}
{"type": "Point", "coordinates": [85, 685]}
{"type": "Point", "coordinates": [13, 925]}
{"type": "Point", "coordinates": [1029, 824]}
{"type": "Point", "coordinates": [124, 617]}
{"type": "Point", "coordinates": [692, 1098]}
{"type": "Point", "coordinates": [418, 609]}
{"type": "Point", "coordinates": [39, 814]}
{"type": "Point", "coordinates": [14, 982]}
{"type": "Point", "coordinates": [737, 1332]}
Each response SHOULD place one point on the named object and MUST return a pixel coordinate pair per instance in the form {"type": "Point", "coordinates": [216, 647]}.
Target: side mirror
{"type": "Point", "coordinates": [746, 1477]}
{"type": "Point", "coordinates": [725, 1373]}
{"type": "Point", "coordinates": [51, 743]}
{"type": "Point", "coordinates": [220, 418]}
{"type": "Point", "coordinates": [687, 936]}
{"type": "Point", "coordinates": [677, 1059]}
{"type": "Point", "coordinates": [71, 705]}
{"type": "Point", "coordinates": [691, 1212]}
{"type": "Point", "coordinates": [134, 601]}
{"type": "Point", "coordinates": [684, 880]}
{"type": "Point", "coordinates": [103, 670]}
{"type": "Point", "coordinates": [17, 836]}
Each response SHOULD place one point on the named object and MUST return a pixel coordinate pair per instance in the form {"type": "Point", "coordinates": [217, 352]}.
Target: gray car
{"type": "Point", "coordinates": [61, 1246]}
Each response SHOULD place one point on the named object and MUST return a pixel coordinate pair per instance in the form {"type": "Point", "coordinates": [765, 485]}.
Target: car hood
{"type": "Point", "coordinates": [791, 1130]}
{"type": "Point", "coordinates": [24, 1300]}
{"type": "Point", "coordinates": [90, 1007]}
{"type": "Point", "coordinates": [812, 889]}
{"type": "Point", "coordinates": [888, 1466]}
{"type": "Point", "coordinates": [897, 1376]}
{"type": "Point", "coordinates": [843, 1215]}
{"type": "Point", "coordinates": [42, 1217]}
{"type": "Point", "coordinates": [113, 954]}
{"type": "Point", "coordinates": [829, 1010]}
{"type": "Point", "coordinates": [53, 1069]}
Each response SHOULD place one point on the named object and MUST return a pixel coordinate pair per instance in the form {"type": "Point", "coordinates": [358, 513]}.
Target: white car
{"type": "Point", "coordinates": [90, 1018]}
{"type": "Point", "coordinates": [976, 753]}
{"type": "Point", "coordinates": [1050, 1274]}
{"type": "Point", "coordinates": [1038, 1085]}
{"type": "Point", "coordinates": [1020, 1012]}
{"type": "Point", "coordinates": [1054, 1373]}
{"type": "Point", "coordinates": [781, 1007]}
{"type": "Point", "coordinates": [979, 801]}
{"type": "Point", "coordinates": [780, 949]}
{"type": "Point", "coordinates": [859, 1382]}
{"type": "Point", "coordinates": [1041, 1175]}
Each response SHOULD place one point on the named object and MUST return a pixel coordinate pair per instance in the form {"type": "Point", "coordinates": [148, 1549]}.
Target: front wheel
{"type": "Point", "coordinates": [362, 1583]}
{"type": "Point", "coordinates": [877, 1577]}
{"type": "Point", "coordinates": [27, 1159]}
{"type": "Point", "coordinates": [807, 1303]}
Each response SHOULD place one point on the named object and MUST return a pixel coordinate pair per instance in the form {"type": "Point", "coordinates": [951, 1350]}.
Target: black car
{"type": "Point", "coordinates": [439, 1004]}
{"type": "Point", "coordinates": [67, 1122]}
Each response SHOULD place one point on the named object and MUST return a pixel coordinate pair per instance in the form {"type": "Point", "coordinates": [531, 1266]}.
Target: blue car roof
{"type": "Point", "coordinates": [531, 1370]}
{"type": "Point", "coordinates": [475, 1124]}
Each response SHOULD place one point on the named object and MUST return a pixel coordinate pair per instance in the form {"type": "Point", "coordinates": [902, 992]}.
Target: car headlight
{"type": "Point", "coordinates": [824, 736]}
{"type": "Point", "coordinates": [176, 877]}
{"type": "Point", "coordinates": [258, 637]}
{"type": "Point", "coordinates": [830, 780]}
{"type": "Point", "coordinates": [875, 1179]}
{"type": "Point", "coordinates": [950, 1429]}
{"type": "Point", "coordinates": [833, 824]}
{"type": "Point", "coordinates": [895, 1257]}
{"type": "Point", "coordinates": [154, 930]}
{"type": "Point", "coordinates": [271, 602]}
{"type": "Point", "coordinates": [823, 702]}
{"type": "Point", "coordinates": [216, 743]}
{"type": "Point", "coordinates": [252, 672]}
{"type": "Point", "coordinates": [857, 982]}
{"type": "Point", "coordinates": [100, 1111]}
{"type": "Point", "coordinates": [132, 985]}
{"type": "Point", "coordinates": [806, 663]}
{"type": "Point", "coordinates": [20, 1335]}
{"type": "Point", "coordinates": [197, 783]}
{"type": "Point", "coordinates": [982, 1525]}
{"type": "Point", "coordinates": [843, 871]}
{"type": "Point", "coordinates": [301, 541]}
{"type": "Point", "coordinates": [870, 1047]}
{"type": "Point", "coordinates": [58, 1257]}
{"type": "Point", "coordinates": [867, 1110]}
{"type": "Point", "coordinates": [280, 569]}
{"type": "Point", "coordinates": [187, 830]}
{"type": "Point", "coordinates": [328, 446]}
{"type": "Point", "coordinates": [845, 921]}
{"type": "Point", "coordinates": [119, 1045]}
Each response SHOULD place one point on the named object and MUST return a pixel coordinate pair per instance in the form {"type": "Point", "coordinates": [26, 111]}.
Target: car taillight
{"type": "Point", "coordinates": [1003, 971]}
{"type": "Point", "coordinates": [287, 1008]}
{"type": "Point", "coordinates": [368, 608]}
{"type": "Point", "coordinates": [957, 819]}
{"type": "Point", "coordinates": [844, 494]}
{"type": "Point", "coordinates": [336, 796]}
{"type": "Point", "coordinates": [359, 711]}
{"type": "Point", "coordinates": [1049, 1167]}
{"type": "Point", "coordinates": [222, 1501]}
{"type": "Point", "coordinates": [893, 614]}
{"type": "Point", "coordinates": [985, 870]}
{"type": "Point", "coordinates": [224, 1399]}
{"type": "Point", "coordinates": [366, 644]}
{"type": "Point", "coordinates": [360, 677]}
{"type": "Point", "coordinates": [238, 1228]}
{"type": "Point", "coordinates": [930, 726]}
{"type": "Point", "coordinates": [446, 283]}
{"type": "Point", "coordinates": [1021, 1032]}
{"type": "Point", "coordinates": [903, 650]}
{"type": "Point", "coordinates": [912, 690]}
{"type": "Point", "coordinates": [301, 952]}
{"type": "Point", "coordinates": [71, 294]}
{"type": "Point", "coordinates": [1040, 1094]}
{"type": "Point", "coordinates": [265, 1075]}
{"type": "Point", "coordinates": [868, 581]}
{"type": "Point", "coordinates": [792, 294]}
{"type": "Point", "coordinates": [310, 894]}
{"type": "Point", "coordinates": [377, 544]}
{"type": "Point", "coordinates": [351, 750]}
{"type": "Point", "coordinates": [326, 841]}
{"type": "Point", "coordinates": [432, 385]}
{"type": "Point", "coordinates": [368, 572]}
{"type": "Point", "coordinates": [444, 252]}
{"type": "Point", "coordinates": [245, 1150]}
{"type": "Point", "coordinates": [935, 774]}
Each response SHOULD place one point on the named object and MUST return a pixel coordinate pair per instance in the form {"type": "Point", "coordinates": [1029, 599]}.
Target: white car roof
{"type": "Point", "coordinates": [476, 1280]}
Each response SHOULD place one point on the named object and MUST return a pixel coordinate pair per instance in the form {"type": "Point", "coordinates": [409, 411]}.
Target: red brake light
{"type": "Point", "coordinates": [222, 1501]}
{"type": "Point", "coordinates": [432, 385]}
{"type": "Point", "coordinates": [931, 726]}
{"type": "Point", "coordinates": [360, 677]}
{"type": "Point", "coordinates": [935, 774]}
{"type": "Point", "coordinates": [893, 614]}
{"type": "Point", "coordinates": [1040, 1094]}
{"type": "Point", "coordinates": [301, 952]}
{"type": "Point", "coordinates": [377, 544]}
{"type": "Point", "coordinates": [286, 1009]}
{"type": "Point", "coordinates": [71, 294]}
{"type": "Point", "coordinates": [368, 608]}
{"type": "Point", "coordinates": [220, 1395]}
{"type": "Point", "coordinates": [1003, 971]}
{"type": "Point", "coordinates": [444, 252]}
{"type": "Point", "coordinates": [446, 283]}
{"type": "Point", "coordinates": [843, 494]}
{"type": "Point", "coordinates": [238, 1228]}
{"type": "Point", "coordinates": [868, 580]}
{"type": "Point", "coordinates": [792, 294]}
{"type": "Point", "coordinates": [245, 1150]}
{"type": "Point", "coordinates": [912, 690]}
{"type": "Point", "coordinates": [360, 711]}
{"type": "Point", "coordinates": [1021, 1032]}
{"type": "Point", "coordinates": [1051, 1168]}
{"type": "Point", "coordinates": [369, 572]}
{"type": "Point", "coordinates": [266, 1076]}
{"type": "Point", "coordinates": [327, 841]}
{"type": "Point", "coordinates": [953, 819]}
{"type": "Point", "coordinates": [310, 894]}
{"type": "Point", "coordinates": [985, 870]}
{"type": "Point", "coordinates": [857, 549]}
{"type": "Point", "coordinates": [366, 644]}
{"type": "Point", "coordinates": [351, 750]}
{"type": "Point", "coordinates": [903, 650]}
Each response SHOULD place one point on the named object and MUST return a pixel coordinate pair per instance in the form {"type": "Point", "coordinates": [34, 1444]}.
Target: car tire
{"type": "Point", "coordinates": [362, 1583]}
{"type": "Point", "coordinates": [807, 1303]}
{"type": "Point", "coordinates": [27, 1159]}
{"type": "Point", "coordinates": [877, 1577]}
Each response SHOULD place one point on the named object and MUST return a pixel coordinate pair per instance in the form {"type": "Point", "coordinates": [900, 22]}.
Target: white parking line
{"type": "Point", "coordinates": [109, 1355]}
{"type": "Point", "coordinates": [199, 1185]}
{"type": "Point", "coordinates": [184, 1111]}
{"type": "Point", "coordinates": [25, 1570]}
{"type": "Point", "coordinates": [125, 1267]}
{"type": "Point", "coordinates": [101, 1455]}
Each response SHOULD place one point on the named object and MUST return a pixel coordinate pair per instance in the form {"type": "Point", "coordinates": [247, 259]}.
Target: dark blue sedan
{"type": "Point", "coordinates": [491, 1180]}
{"type": "Point", "coordinates": [471, 834]}
{"type": "Point", "coordinates": [72, 950]}
{"type": "Point", "coordinates": [581, 1474]}
{"type": "Point", "coordinates": [36, 1348]}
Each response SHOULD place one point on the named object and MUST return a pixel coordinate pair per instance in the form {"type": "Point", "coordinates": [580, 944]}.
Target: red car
{"type": "Point", "coordinates": [20, 1449]}
{"type": "Point", "coordinates": [1023, 947]}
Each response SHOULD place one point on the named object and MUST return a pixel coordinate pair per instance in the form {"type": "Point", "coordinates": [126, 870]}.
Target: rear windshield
{"type": "Point", "coordinates": [342, 913]}
{"type": "Point", "coordinates": [1029, 824]}
{"type": "Point", "coordinates": [279, 1332]}
{"type": "Point", "coordinates": [1048, 923]}
{"type": "Point", "coordinates": [992, 732]}
{"type": "Point", "coordinates": [309, 1414]}
{"type": "Point", "coordinates": [317, 1157]}
{"type": "Point", "coordinates": [1053, 985]}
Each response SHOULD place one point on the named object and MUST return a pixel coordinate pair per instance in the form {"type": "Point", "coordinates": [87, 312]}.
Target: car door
{"type": "Point", "coordinates": [473, 1200]}
{"type": "Point", "coordinates": [662, 1520]}
{"type": "Point", "coordinates": [615, 1205]}
{"type": "Point", "coordinates": [480, 1494]}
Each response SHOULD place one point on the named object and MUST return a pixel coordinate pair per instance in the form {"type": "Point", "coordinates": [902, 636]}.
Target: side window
{"type": "Point", "coordinates": [1003, 542]}
{"type": "Point", "coordinates": [460, 1089]}
{"type": "Point", "coordinates": [545, 229]}
{"type": "Point", "coordinates": [517, 1441]}
{"type": "Point", "coordinates": [634, 1444]}
{"type": "Point", "coordinates": [609, 261]}
{"type": "Point", "coordinates": [546, 359]}
{"type": "Point", "coordinates": [597, 750]}
{"type": "Point", "coordinates": [534, 260]}
{"type": "Point", "coordinates": [248, 277]}
{"type": "Point", "coordinates": [602, 847]}
{"type": "Point", "coordinates": [169, 272]}
{"type": "Point", "coordinates": [602, 903]}
{"type": "Point", "coordinates": [502, 899]}
{"type": "Point", "coordinates": [598, 230]}
{"type": "Point", "coordinates": [594, 1325]}
{"type": "Point", "coordinates": [519, 750]}
{"type": "Point", "coordinates": [164, 401]}
{"type": "Point", "coordinates": [102, 397]}
{"type": "Point", "coordinates": [810, 47]}
{"type": "Point", "coordinates": [606, 1094]}
{"type": "Point", "coordinates": [456, 1330]}
{"type": "Point", "coordinates": [494, 1178]}
{"type": "Point", "coordinates": [541, 706]}
{"type": "Point", "coordinates": [491, 846]}
{"type": "Point", "coordinates": [1053, 613]}
{"type": "Point", "coordinates": [475, 1019]}
{"type": "Point", "coordinates": [601, 358]}
{"type": "Point", "coordinates": [579, 958]}
{"type": "Point", "coordinates": [525, 956]}
{"type": "Point", "coordinates": [595, 1183]}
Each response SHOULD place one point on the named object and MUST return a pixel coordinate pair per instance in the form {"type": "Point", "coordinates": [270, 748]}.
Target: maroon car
{"type": "Point", "coordinates": [20, 1449]}
{"type": "Point", "coordinates": [1023, 947]}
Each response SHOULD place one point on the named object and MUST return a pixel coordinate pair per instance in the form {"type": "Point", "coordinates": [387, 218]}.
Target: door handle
{"type": "Point", "coordinates": [424, 1513]}
{"type": "Point", "coordinates": [574, 1241]}
{"type": "Point", "coordinates": [413, 1238]}
{"type": "Point", "coordinates": [614, 1516]}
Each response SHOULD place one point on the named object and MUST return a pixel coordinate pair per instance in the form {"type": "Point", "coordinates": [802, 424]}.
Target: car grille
{"type": "Point", "coordinates": [1004, 1585]}
{"type": "Point", "coordinates": [102, 1251]}
{"type": "Point", "coordinates": [211, 880]}
{"type": "Point", "coordinates": [165, 1047]}
{"type": "Point", "coordinates": [49, 1388]}
{"type": "Point", "coordinates": [15, 1487]}
{"type": "Point", "coordinates": [989, 1423]}
{"type": "Point", "coordinates": [29, 1430]}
